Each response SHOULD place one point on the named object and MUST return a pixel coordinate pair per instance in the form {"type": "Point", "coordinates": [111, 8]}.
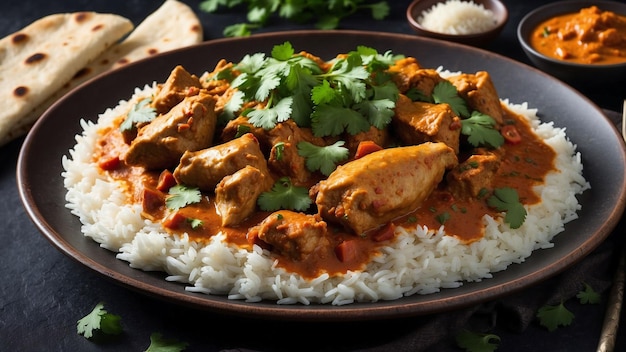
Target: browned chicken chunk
{"type": "Point", "coordinates": [370, 191]}
{"type": "Point", "coordinates": [190, 125]}
{"type": "Point", "coordinates": [236, 195]}
{"type": "Point", "coordinates": [292, 234]}
{"type": "Point", "coordinates": [419, 122]}
{"type": "Point", "coordinates": [179, 84]}
{"type": "Point", "coordinates": [408, 74]}
{"type": "Point", "coordinates": [472, 175]}
{"type": "Point", "coordinates": [480, 93]}
{"type": "Point", "coordinates": [207, 167]}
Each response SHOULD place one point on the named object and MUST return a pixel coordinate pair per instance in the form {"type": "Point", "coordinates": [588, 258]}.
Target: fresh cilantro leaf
{"type": "Point", "coordinates": [195, 223]}
{"type": "Point", "coordinates": [417, 95]}
{"type": "Point", "coordinates": [160, 344]}
{"type": "Point", "coordinates": [380, 10]}
{"type": "Point", "coordinates": [180, 196]}
{"type": "Point", "coordinates": [232, 106]}
{"type": "Point", "coordinates": [588, 295]}
{"type": "Point", "coordinates": [268, 117]}
{"type": "Point", "coordinates": [552, 317]}
{"type": "Point", "coordinates": [284, 195]}
{"type": "Point", "coordinates": [446, 92]}
{"type": "Point", "coordinates": [506, 199]}
{"type": "Point", "coordinates": [480, 130]}
{"type": "Point", "coordinates": [99, 320]}
{"type": "Point", "coordinates": [279, 149]}
{"type": "Point", "coordinates": [282, 52]}
{"type": "Point", "coordinates": [443, 217]}
{"type": "Point", "coordinates": [328, 120]}
{"type": "Point", "coordinates": [324, 159]}
{"type": "Point", "coordinates": [140, 112]}
{"type": "Point", "coordinates": [477, 342]}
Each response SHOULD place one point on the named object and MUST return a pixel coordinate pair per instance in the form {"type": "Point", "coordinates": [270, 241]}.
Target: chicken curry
{"type": "Point", "coordinates": [245, 150]}
{"type": "Point", "coordinates": [590, 36]}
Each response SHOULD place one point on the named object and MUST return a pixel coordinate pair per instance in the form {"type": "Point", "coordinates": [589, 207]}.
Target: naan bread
{"type": "Point", "coordinates": [173, 25]}
{"type": "Point", "coordinates": [38, 60]}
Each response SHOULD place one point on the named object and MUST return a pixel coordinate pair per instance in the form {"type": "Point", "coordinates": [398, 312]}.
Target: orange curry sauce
{"type": "Point", "coordinates": [590, 36]}
{"type": "Point", "coordinates": [524, 166]}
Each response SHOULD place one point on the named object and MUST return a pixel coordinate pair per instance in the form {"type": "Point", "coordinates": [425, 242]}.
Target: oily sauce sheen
{"type": "Point", "coordinates": [524, 166]}
{"type": "Point", "coordinates": [590, 36]}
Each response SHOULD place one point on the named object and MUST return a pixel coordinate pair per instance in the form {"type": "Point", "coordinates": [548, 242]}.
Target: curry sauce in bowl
{"type": "Point", "coordinates": [580, 42]}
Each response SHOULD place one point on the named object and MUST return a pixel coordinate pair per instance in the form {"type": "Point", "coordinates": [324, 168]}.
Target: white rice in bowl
{"type": "Point", "coordinates": [421, 261]}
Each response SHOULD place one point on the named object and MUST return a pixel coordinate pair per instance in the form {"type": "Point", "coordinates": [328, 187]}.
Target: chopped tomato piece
{"type": "Point", "coordinates": [346, 251]}
{"type": "Point", "coordinates": [109, 163]}
{"type": "Point", "coordinates": [152, 200]}
{"type": "Point", "coordinates": [174, 220]}
{"type": "Point", "coordinates": [511, 134]}
{"type": "Point", "coordinates": [166, 181]}
{"type": "Point", "coordinates": [384, 233]}
{"type": "Point", "coordinates": [366, 147]}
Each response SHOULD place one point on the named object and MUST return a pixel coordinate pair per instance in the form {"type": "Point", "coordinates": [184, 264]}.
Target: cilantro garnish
{"type": "Point", "coordinates": [588, 295]}
{"type": "Point", "coordinates": [506, 199]}
{"type": "Point", "coordinates": [325, 15]}
{"type": "Point", "coordinates": [477, 342]}
{"type": "Point", "coordinates": [160, 344]}
{"type": "Point", "coordinates": [354, 94]}
{"type": "Point", "coordinates": [99, 320]}
{"type": "Point", "coordinates": [480, 130]}
{"type": "Point", "coordinates": [180, 196]}
{"type": "Point", "coordinates": [552, 317]}
{"type": "Point", "coordinates": [195, 223]}
{"type": "Point", "coordinates": [285, 195]}
{"type": "Point", "coordinates": [446, 92]}
{"type": "Point", "coordinates": [324, 159]}
{"type": "Point", "coordinates": [140, 112]}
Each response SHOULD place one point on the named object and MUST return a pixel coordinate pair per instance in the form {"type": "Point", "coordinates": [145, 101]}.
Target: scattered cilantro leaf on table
{"type": "Point", "coordinates": [140, 112]}
{"type": "Point", "coordinates": [160, 344]}
{"type": "Point", "coordinates": [324, 159]}
{"type": "Point", "coordinates": [324, 14]}
{"type": "Point", "coordinates": [506, 199]}
{"type": "Point", "coordinates": [180, 196]}
{"type": "Point", "coordinates": [99, 320]}
{"type": "Point", "coordinates": [477, 342]}
{"type": "Point", "coordinates": [588, 295]}
{"type": "Point", "coordinates": [553, 316]}
{"type": "Point", "coordinates": [284, 195]}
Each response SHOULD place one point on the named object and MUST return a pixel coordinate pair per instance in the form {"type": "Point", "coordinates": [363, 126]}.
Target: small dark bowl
{"type": "Point", "coordinates": [576, 74]}
{"type": "Point", "coordinates": [500, 12]}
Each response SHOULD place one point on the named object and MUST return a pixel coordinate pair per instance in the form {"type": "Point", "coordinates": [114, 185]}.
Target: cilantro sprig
{"type": "Point", "coordinates": [284, 195]}
{"type": "Point", "coordinates": [99, 320]}
{"type": "Point", "coordinates": [325, 15]}
{"type": "Point", "coordinates": [324, 159]}
{"type": "Point", "coordinates": [553, 316]}
{"type": "Point", "coordinates": [351, 95]}
{"type": "Point", "coordinates": [180, 196]}
{"type": "Point", "coordinates": [140, 112]}
{"type": "Point", "coordinates": [477, 342]}
{"type": "Point", "coordinates": [506, 199]}
{"type": "Point", "coordinates": [158, 343]}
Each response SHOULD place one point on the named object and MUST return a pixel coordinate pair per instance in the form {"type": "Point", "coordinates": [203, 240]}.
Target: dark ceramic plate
{"type": "Point", "coordinates": [42, 192]}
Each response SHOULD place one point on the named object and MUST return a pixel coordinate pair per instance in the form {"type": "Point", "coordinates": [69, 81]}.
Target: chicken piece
{"type": "Point", "coordinates": [236, 195]}
{"type": "Point", "coordinates": [179, 84]}
{"type": "Point", "coordinates": [207, 167]}
{"type": "Point", "coordinates": [474, 174]}
{"type": "Point", "coordinates": [419, 122]}
{"type": "Point", "coordinates": [288, 162]}
{"type": "Point", "coordinates": [408, 74]}
{"type": "Point", "coordinates": [188, 126]}
{"type": "Point", "coordinates": [240, 125]}
{"type": "Point", "coordinates": [368, 192]}
{"type": "Point", "coordinates": [480, 93]}
{"type": "Point", "coordinates": [292, 234]}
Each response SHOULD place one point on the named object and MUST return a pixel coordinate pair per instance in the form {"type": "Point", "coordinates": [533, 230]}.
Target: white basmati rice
{"type": "Point", "coordinates": [418, 262]}
{"type": "Point", "coordinates": [457, 17]}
